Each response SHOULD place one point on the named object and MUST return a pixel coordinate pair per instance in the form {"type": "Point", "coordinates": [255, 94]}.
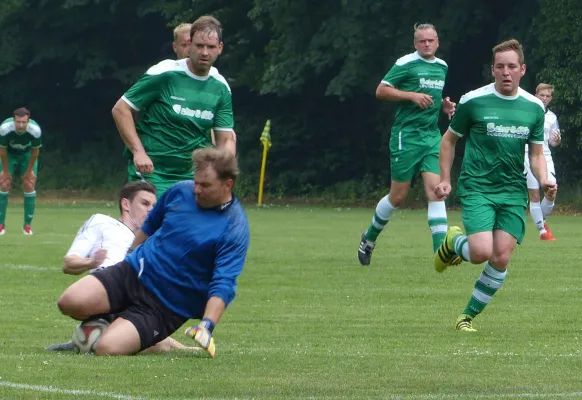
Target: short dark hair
{"type": "Point", "coordinates": [22, 112]}
{"type": "Point", "coordinates": [222, 161]}
{"type": "Point", "coordinates": [129, 190]}
{"type": "Point", "coordinates": [206, 23]}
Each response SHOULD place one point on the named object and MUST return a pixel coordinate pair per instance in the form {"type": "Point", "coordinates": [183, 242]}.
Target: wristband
{"type": "Point", "coordinates": [208, 324]}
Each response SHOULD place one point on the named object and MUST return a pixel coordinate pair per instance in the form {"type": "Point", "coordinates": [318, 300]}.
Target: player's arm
{"type": "Point", "coordinates": [388, 90]}
{"type": "Point", "coordinates": [555, 135]}
{"type": "Point", "coordinates": [123, 116]}
{"type": "Point", "coordinates": [76, 265]}
{"type": "Point", "coordinates": [224, 135]}
{"type": "Point", "coordinates": [78, 260]}
{"type": "Point", "coordinates": [225, 139]}
{"type": "Point", "coordinates": [447, 155]}
{"type": "Point", "coordinates": [537, 162]}
{"type": "Point", "coordinates": [4, 158]}
{"type": "Point", "coordinates": [34, 152]}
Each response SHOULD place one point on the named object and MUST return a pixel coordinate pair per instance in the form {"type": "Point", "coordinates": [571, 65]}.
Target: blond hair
{"type": "Point", "coordinates": [545, 86]}
{"type": "Point", "coordinates": [180, 28]}
{"type": "Point", "coordinates": [422, 27]}
{"type": "Point", "coordinates": [223, 162]}
{"type": "Point", "coordinates": [509, 45]}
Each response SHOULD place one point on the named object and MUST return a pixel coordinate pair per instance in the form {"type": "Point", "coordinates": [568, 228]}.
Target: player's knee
{"type": "Point", "coordinates": [397, 197]}
{"type": "Point", "coordinates": [480, 254]}
{"type": "Point", "coordinates": [70, 305]}
{"type": "Point", "coordinates": [28, 187]}
{"type": "Point", "coordinates": [108, 345]}
{"type": "Point", "coordinates": [499, 260]}
{"type": "Point", "coordinates": [5, 186]}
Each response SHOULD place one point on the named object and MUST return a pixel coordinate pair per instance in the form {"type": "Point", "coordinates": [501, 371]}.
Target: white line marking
{"type": "Point", "coordinates": [72, 392]}
{"type": "Point", "coordinates": [32, 268]}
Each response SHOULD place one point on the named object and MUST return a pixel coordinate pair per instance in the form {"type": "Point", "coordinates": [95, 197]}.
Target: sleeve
{"type": "Point", "coordinates": [156, 215]}
{"type": "Point", "coordinates": [462, 119]}
{"type": "Point", "coordinates": [36, 133]}
{"type": "Point", "coordinates": [145, 91]}
{"type": "Point", "coordinates": [86, 238]}
{"type": "Point", "coordinates": [395, 76]}
{"type": "Point", "coordinates": [5, 128]}
{"type": "Point", "coordinates": [223, 120]}
{"type": "Point", "coordinates": [229, 262]}
{"type": "Point", "coordinates": [536, 135]}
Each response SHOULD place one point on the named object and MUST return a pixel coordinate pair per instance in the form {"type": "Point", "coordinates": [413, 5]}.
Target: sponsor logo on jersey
{"type": "Point", "coordinates": [188, 112]}
{"type": "Point", "coordinates": [18, 146]}
{"type": "Point", "coordinates": [431, 83]}
{"type": "Point", "coordinates": [516, 132]}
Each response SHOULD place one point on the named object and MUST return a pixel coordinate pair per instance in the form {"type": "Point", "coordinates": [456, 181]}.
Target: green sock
{"type": "Point", "coordinates": [382, 215]}
{"type": "Point", "coordinates": [3, 206]}
{"type": "Point", "coordinates": [437, 222]}
{"type": "Point", "coordinates": [486, 286]}
{"type": "Point", "coordinates": [29, 205]}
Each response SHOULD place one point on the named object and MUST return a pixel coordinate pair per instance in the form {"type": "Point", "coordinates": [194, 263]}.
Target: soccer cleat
{"type": "Point", "coordinates": [365, 250]}
{"type": "Point", "coordinates": [2, 230]}
{"type": "Point", "coordinates": [445, 255]}
{"type": "Point", "coordinates": [548, 235]}
{"type": "Point", "coordinates": [60, 347]}
{"type": "Point", "coordinates": [465, 323]}
{"type": "Point", "coordinates": [27, 230]}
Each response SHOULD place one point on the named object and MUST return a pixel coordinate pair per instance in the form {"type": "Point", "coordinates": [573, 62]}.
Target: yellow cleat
{"type": "Point", "coordinates": [465, 323]}
{"type": "Point", "coordinates": [445, 256]}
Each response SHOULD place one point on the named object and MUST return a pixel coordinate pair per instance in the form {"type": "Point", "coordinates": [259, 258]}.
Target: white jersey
{"type": "Point", "coordinates": [102, 231]}
{"type": "Point", "coordinates": [550, 127]}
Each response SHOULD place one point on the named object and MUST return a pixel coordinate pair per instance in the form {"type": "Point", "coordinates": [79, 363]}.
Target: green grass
{"type": "Point", "coordinates": [310, 323]}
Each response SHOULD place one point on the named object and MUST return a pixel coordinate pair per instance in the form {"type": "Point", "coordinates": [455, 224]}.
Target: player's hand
{"type": "Point", "coordinates": [422, 100]}
{"type": "Point", "coordinates": [555, 139]}
{"type": "Point", "coordinates": [29, 177]}
{"type": "Point", "coordinates": [449, 107]}
{"type": "Point", "coordinates": [143, 163]}
{"type": "Point", "coordinates": [442, 190]}
{"type": "Point", "coordinates": [549, 188]}
{"type": "Point", "coordinates": [5, 178]}
{"type": "Point", "coordinates": [203, 337]}
{"type": "Point", "coordinates": [99, 257]}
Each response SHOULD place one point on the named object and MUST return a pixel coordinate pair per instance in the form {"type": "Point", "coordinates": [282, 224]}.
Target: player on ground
{"type": "Point", "coordinates": [179, 103]}
{"type": "Point", "coordinates": [20, 142]}
{"type": "Point", "coordinates": [103, 241]}
{"type": "Point", "coordinates": [185, 264]}
{"type": "Point", "coordinates": [498, 120]}
{"type": "Point", "coordinates": [552, 137]}
{"type": "Point", "coordinates": [416, 81]}
{"type": "Point", "coordinates": [181, 43]}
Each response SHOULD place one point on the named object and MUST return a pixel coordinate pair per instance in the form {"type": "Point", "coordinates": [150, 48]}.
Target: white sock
{"type": "Point", "coordinates": [437, 217]}
{"type": "Point", "coordinates": [537, 215]}
{"type": "Point", "coordinates": [547, 207]}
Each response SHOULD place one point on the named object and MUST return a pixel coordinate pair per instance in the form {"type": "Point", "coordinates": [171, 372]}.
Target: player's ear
{"type": "Point", "coordinates": [125, 204]}
{"type": "Point", "coordinates": [522, 69]}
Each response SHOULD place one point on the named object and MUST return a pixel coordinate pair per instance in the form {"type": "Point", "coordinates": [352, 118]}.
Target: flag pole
{"type": "Point", "coordinates": [266, 141]}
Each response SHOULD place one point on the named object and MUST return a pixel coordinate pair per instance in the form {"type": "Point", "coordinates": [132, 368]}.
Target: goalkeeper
{"type": "Point", "coordinates": [184, 263]}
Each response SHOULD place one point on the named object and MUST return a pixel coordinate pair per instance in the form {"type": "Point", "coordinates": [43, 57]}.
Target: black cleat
{"type": "Point", "coordinates": [365, 250]}
{"type": "Point", "coordinates": [60, 347]}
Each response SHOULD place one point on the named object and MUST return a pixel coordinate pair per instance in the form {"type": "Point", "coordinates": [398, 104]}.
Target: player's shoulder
{"type": "Point", "coordinates": [34, 128]}
{"type": "Point", "coordinates": [165, 66]}
{"type": "Point", "coordinates": [99, 219]}
{"type": "Point", "coordinates": [7, 126]}
{"type": "Point", "coordinates": [214, 74]}
{"type": "Point", "coordinates": [483, 91]}
{"type": "Point", "coordinates": [530, 98]}
{"type": "Point", "coordinates": [415, 57]}
{"type": "Point", "coordinates": [238, 224]}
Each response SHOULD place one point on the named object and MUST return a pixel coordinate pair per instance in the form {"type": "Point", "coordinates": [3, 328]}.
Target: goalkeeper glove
{"type": "Point", "coordinates": [202, 334]}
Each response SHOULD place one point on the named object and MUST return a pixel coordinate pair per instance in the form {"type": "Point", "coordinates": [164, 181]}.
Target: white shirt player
{"type": "Point", "coordinates": [102, 231]}
{"type": "Point", "coordinates": [551, 127]}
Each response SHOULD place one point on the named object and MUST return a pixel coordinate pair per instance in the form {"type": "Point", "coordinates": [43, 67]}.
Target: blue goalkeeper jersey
{"type": "Point", "coordinates": [192, 253]}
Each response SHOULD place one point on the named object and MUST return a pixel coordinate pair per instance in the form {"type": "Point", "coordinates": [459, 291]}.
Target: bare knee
{"type": "Point", "coordinates": [70, 305]}
{"type": "Point", "coordinates": [28, 187]}
{"type": "Point", "coordinates": [5, 186]}
{"type": "Point", "coordinates": [500, 260]}
{"type": "Point", "coordinates": [480, 254]}
{"type": "Point", "coordinates": [398, 194]}
{"type": "Point", "coordinates": [107, 347]}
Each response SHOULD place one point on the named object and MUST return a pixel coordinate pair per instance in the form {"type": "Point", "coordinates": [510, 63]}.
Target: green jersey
{"type": "Point", "coordinates": [178, 111]}
{"type": "Point", "coordinates": [498, 128]}
{"type": "Point", "coordinates": [19, 143]}
{"type": "Point", "coordinates": [412, 73]}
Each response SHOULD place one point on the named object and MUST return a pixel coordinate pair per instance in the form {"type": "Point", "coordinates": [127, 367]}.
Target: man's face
{"type": "Point", "coordinates": [139, 207]}
{"type": "Point", "coordinates": [21, 123]}
{"type": "Point", "coordinates": [545, 96]}
{"type": "Point", "coordinates": [181, 44]}
{"type": "Point", "coordinates": [426, 42]}
{"type": "Point", "coordinates": [209, 190]}
{"type": "Point", "coordinates": [204, 50]}
{"type": "Point", "coordinates": [507, 72]}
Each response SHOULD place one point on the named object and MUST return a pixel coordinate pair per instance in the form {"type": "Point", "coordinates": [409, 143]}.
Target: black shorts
{"type": "Point", "coordinates": [130, 300]}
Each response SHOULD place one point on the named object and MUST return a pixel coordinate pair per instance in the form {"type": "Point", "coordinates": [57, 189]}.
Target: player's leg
{"type": "Point", "coordinates": [145, 322]}
{"type": "Point", "coordinates": [403, 166]}
{"type": "Point", "coordinates": [535, 209]}
{"type": "Point", "coordinates": [29, 193]}
{"type": "Point", "coordinates": [437, 211]}
{"type": "Point", "coordinates": [547, 204]}
{"type": "Point", "coordinates": [5, 187]}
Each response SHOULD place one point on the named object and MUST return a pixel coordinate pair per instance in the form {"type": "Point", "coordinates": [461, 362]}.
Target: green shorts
{"type": "Point", "coordinates": [160, 179]}
{"type": "Point", "coordinates": [18, 163]}
{"type": "Point", "coordinates": [410, 155]}
{"type": "Point", "coordinates": [482, 213]}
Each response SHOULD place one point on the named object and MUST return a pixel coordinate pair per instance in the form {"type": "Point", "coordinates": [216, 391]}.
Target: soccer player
{"type": "Point", "coordinates": [20, 142]}
{"type": "Point", "coordinates": [185, 263]}
{"type": "Point", "coordinates": [179, 103]}
{"type": "Point", "coordinates": [103, 241]}
{"type": "Point", "coordinates": [181, 43]}
{"type": "Point", "coordinates": [498, 120]}
{"type": "Point", "coordinates": [552, 137]}
{"type": "Point", "coordinates": [416, 82]}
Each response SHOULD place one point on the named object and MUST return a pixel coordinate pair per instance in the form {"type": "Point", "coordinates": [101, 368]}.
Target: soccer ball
{"type": "Point", "coordinates": [87, 334]}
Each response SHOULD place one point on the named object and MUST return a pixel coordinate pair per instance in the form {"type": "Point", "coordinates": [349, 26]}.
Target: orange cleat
{"type": "Point", "coordinates": [547, 236]}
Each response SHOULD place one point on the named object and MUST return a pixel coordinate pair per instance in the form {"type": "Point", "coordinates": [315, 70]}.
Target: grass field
{"type": "Point", "coordinates": [310, 323]}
